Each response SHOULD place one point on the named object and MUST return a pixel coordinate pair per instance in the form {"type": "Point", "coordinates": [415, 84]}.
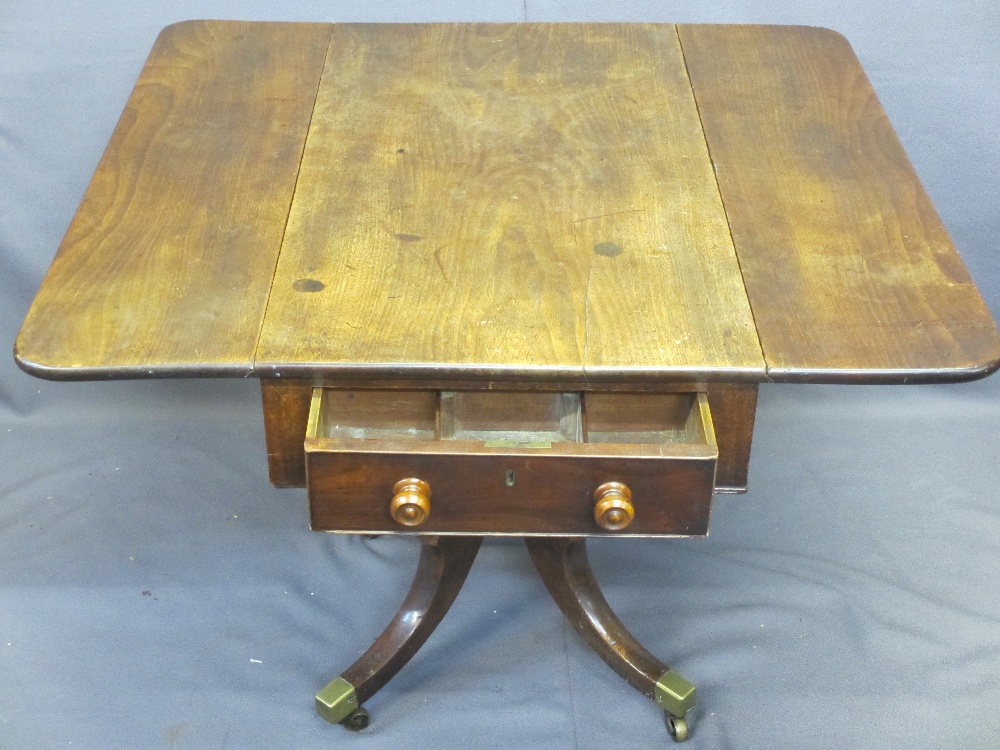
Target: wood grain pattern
{"type": "Point", "coordinates": [529, 204]}
{"type": "Point", "coordinates": [849, 271]}
{"type": "Point", "coordinates": [166, 267]}
{"type": "Point", "coordinates": [507, 201]}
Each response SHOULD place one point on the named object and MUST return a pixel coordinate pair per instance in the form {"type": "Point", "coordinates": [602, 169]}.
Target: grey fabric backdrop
{"type": "Point", "coordinates": [155, 591]}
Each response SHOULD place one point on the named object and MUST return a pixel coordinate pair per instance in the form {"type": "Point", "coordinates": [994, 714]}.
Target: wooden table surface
{"type": "Point", "coordinates": [596, 203]}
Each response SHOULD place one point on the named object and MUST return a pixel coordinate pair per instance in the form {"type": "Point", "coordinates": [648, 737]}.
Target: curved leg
{"type": "Point", "coordinates": [563, 565]}
{"type": "Point", "coordinates": [443, 567]}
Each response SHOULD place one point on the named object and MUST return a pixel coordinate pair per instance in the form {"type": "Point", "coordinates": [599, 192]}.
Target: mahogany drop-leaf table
{"type": "Point", "coordinates": [507, 279]}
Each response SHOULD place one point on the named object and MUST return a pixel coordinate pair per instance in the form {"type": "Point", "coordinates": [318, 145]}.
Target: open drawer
{"type": "Point", "coordinates": [521, 463]}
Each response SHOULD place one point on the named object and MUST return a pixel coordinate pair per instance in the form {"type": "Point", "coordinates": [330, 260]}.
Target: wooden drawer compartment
{"type": "Point", "coordinates": [510, 463]}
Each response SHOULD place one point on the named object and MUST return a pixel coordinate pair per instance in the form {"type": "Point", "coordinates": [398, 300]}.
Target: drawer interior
{"type": "Point", "coordinates": [496, 419]}
{"type": "Point", "coordinates": [632, 418]}
{"type": "Point", "coordinates": [502, 419]}
{"type": "Point", "coordinates": [366, 415]}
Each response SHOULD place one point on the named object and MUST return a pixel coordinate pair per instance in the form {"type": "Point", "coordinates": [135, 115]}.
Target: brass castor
{"type": "Point", "coordinates": [356, 720]}
{"type": "Point", "coordinates": [677, 727]}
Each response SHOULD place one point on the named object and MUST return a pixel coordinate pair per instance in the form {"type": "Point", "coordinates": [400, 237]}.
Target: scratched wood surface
{"type": "Point", "coordinates": [166, 267]}
{"type": "Point", "coordinates": [507, 200]}
{"type": "Point", "coordinates": [481, 204]}
{"type": "Point", "coordinates": [850, 273]}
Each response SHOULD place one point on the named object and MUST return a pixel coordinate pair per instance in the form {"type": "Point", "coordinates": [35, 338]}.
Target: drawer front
{"type": "Point", "coordinates": [510, 463]}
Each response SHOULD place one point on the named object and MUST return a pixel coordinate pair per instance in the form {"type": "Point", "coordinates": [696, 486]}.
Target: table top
{"type": "Point", "coordinates": [596, 203]}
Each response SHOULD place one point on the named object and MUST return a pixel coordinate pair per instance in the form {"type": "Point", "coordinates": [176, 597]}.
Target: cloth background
{"type": "Point", "coordinates": [156, 592]}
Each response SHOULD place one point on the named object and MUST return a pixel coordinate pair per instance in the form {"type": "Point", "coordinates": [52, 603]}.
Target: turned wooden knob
{"type": "Point", "coordinates": [613, 510]}
{"type": "Point", "coordinates": [411, 502]}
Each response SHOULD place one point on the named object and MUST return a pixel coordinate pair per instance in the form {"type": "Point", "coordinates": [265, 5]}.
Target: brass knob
{"type": "Point", "coordinates": [411, 502]}
{"type": "Point", "coordinates": [614, 510]}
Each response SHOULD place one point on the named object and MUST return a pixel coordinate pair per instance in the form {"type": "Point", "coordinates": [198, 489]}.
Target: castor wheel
{"type": "Point", "coordinates": [356, 720]}
{"type": "Point", "coordinates": [677, 727]}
